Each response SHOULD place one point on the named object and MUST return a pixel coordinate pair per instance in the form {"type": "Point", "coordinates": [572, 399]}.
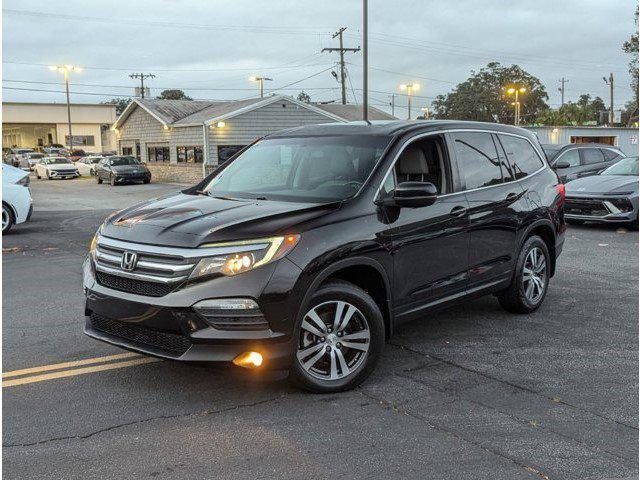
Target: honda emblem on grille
{"type": "Point", "coordinates": [129, 261]}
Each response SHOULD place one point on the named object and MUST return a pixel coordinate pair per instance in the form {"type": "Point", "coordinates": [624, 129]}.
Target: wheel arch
{"type": "Point", "coordinates": [11, 209]}
{"type": "Point", "coordinates": [544, 229]}
{"type": "Point", "coordinates": [365, 273]}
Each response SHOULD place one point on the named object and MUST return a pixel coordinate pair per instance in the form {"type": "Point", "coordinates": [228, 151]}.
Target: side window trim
{"type": "Point", "coordinates": [453, 166]}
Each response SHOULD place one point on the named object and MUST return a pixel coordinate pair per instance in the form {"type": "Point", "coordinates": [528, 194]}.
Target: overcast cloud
{"type": "Point", "coordinates": [218, 44]}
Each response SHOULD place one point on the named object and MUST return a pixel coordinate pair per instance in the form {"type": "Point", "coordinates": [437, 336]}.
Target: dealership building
{"type": "Point", "coordinates": [626, 139]}
{"type": "Point", "coordinates": [32, 125]}
{"type": "Point", "coordinates": [181, 140]}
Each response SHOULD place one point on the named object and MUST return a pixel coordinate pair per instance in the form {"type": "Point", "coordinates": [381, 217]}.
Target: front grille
{"type": "Point", "coordinates": [170, 343]}
{"type": "Point", "coordinates": [151, 273]}
{"type": "Point", "coordinates": [590, 207]}
{"type": "Point", "coordinates": [64, 172]}
{"type": "Point", "coordinates": [137, 287]}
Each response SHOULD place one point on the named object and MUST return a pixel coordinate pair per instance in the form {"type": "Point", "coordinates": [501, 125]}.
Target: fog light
{"type": "Point", "coordinates": [248, 360]}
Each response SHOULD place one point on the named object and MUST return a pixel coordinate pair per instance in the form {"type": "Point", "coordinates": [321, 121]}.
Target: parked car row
{"type": "Point", "coordinates": [578, 160]}
{"type": "Point", "coordinates": [25, 157]}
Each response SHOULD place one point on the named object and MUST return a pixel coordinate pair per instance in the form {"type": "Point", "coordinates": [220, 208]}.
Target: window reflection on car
{"type": "Point", "coordinates": [118, 161]}
{"type": "Point", "coordinates": [627, 166]}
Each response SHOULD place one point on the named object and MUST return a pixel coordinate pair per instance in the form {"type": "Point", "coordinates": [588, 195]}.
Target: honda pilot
{"type": "Point", "coordinates": [309, 247]}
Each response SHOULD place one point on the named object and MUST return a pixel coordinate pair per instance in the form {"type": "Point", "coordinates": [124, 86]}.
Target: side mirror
{"type": "Point", "coordinates": [411, 195]}
{"type": "Point", "coordinates": [562, 164]}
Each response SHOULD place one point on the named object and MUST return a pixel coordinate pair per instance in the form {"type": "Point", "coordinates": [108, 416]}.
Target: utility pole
{"type": "Point", "coordinates": [365, 61]}
{"type": "Point", "coordinates": [142, 76]}
{"type": "Point", "coordinates": [393, 104]}
{"type": "Point", "coordinates": [341, 50]}
{"type": "Point", "coordinates": [561, 89]}
{"type": "Point", "coordinates": [610, 83]}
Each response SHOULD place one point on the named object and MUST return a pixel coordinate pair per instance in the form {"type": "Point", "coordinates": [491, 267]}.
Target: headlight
{"type": "Point", "coordinates": [249, 255]}
{"type": "Point", "coordinates": [92, 245]}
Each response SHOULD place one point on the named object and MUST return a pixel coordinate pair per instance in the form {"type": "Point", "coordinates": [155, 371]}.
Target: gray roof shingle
{"type": "Point", "coordinates": [353, 113]}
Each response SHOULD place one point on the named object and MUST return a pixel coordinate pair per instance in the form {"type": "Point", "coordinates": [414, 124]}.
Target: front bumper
{"type": "Point", "coordinates": [54, 174]}
{"type": "Point", "coordinates": [133, 178]}
{"type": "Point", "coordinates": [168, 326]}
{"type": "Point", "coordinates": [603, 209]}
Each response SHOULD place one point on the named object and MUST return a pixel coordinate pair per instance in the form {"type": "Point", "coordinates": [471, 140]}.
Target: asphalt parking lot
{"type": "Point", "coordinates": [467, 393]}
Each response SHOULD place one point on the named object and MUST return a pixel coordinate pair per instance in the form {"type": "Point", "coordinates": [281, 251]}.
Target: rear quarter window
{"type": "Point", "coordinates": [610, 154]}
{"type": "Point", "coordinates": [522, 156]}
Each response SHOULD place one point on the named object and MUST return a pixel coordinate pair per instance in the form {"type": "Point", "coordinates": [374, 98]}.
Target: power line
{"type": "Point", "coordinates": [301, 80]}
{"type": "Point", "coordinates": [142, 76]}
{"type": "Point", "coordinates": [168, 24]}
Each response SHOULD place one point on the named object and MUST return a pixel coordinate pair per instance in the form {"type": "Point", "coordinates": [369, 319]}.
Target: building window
{"type": "Point", "coordinates": [225, 152]}
{"type": "Point", "coordinates": [127, 151]}
{"type": "Point", "coordinates": [81, 140]}
{"type": "Point", "coordinates": [158, 154]}
{"type": "Point", "coordinates": [190, 154]}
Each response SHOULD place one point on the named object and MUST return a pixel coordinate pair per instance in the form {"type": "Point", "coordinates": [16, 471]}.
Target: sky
{"type": "Point", "coordinates": [210, 48]}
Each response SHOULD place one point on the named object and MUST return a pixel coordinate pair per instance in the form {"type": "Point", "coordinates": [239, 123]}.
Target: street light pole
{"type": "Point", "coordinates": [409, 87]}
{"type": "Point", "coordinates": [261, 80]}
{"type": "Point", "coordinates": [66, 69]}
{"type": "Point", "coordinates": [517, 90]}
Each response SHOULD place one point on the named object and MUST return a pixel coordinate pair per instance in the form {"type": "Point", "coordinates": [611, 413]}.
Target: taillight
{"type": "Point", "coordinates": [561, 191]}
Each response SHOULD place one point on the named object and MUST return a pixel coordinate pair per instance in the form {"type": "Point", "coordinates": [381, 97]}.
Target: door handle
{"type": "Point", "coordinates": [458, 211]}
{"type": "Point", "coordinates": [511, 195]}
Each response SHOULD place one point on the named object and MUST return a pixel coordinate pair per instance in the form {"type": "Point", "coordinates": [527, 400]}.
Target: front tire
{"type": "Point", "coordinates": [98, 179]}
{"type": "Point", "coordinates": [8, 219]}
{"type": "Point", "coordinates": [112, 180]}
{"type": "Point", "coordinates": [531, 278]}
{"type": "Point", "coordinates": [339, 339]}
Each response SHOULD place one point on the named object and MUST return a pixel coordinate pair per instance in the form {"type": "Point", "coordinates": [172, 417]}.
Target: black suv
{"type": "Point", "coordinates": [311, 245]}
{"type": "Point", "coordinates": [581, 159]}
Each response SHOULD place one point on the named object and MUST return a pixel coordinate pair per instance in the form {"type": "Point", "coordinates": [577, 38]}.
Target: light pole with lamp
{"type": "Point", "coordinates": [410, 88]}
{"type": "Point", "coordinates": [66, 69]}
{"type": "Point", "coordinates": [517, 90]}
{"type": "Point", "coordinates": [261, 80]}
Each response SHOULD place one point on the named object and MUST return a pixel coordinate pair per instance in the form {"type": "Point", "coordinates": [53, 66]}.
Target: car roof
{"type": "Point", "coordinates": [588, 145]}
{"type": "Point", "coordinates": [395, 127]}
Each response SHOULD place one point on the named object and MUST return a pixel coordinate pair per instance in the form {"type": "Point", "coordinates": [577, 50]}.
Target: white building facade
{"type": "Point", "coordinates": [32, 125]}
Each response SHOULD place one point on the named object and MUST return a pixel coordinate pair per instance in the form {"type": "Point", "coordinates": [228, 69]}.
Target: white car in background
{"type": "Point", "coordinates": [86, 165]}
{"type": "Point", "coordinates": [16, 197]}
{"type": "Point", "coordinates": [31, 160]}
{"type": "Point", "coordinates": [17, 156]}
{"type": "Point", "coordinates": [56, 167]}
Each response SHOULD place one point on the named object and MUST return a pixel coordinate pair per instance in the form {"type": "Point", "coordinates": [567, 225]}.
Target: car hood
{"type": "Point", "coordinates": [601, 184]}
{"type": "Point", "coordinates": [64, 166]}
{"type": "Point", "coordinates": [129, 168]}
{"type": "Point", "coordinates": [186, 220]}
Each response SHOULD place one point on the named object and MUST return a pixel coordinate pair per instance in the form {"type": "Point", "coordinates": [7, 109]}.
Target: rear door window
{"type": "Point", "coordinates": [591, 156]}
{"type": "Point", "coordinates": [478, 160]}
{"type": "Point", "coordinates": [522, 156]}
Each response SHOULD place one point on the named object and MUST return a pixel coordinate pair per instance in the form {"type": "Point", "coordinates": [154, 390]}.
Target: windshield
{"type": "Point", "coordinates": [117, 161]}
{"type": "Point", "coordinates": [626, 166]}
{"type": "Point", "coordinates": [36, 155]}
{"type": "Point", "coordinates": [58, 161]}
{"type": "Point", "coordinates": [307, 169]}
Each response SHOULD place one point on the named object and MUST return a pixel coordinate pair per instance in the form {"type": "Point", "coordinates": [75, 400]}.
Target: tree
{"type": "Point", "coordinates": [631, 47]}
{"type": "Point", "coordinates": [483, 96]}
{"type": "Point", "coordinates": [585, 110]}
{"type": "Point", "coordinates": [120, 103]}
{"type": "Point", "coordinates": [304, 97]}
{"type": "Point", "coordinates": [173, 95]}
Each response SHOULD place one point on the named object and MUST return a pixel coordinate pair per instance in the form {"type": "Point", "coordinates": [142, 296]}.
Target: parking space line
{"type": "Point", "coordinates": [76, 363]}
{"type": "Point", "coordinates": [79, 371]}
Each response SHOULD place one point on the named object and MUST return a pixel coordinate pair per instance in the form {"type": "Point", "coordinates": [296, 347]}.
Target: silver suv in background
{"type": "Point", "coordinates": [581, 160]}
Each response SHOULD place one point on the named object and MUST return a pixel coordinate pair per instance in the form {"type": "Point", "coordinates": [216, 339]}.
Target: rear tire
{"type": "Point", "coordinates": [38, 175]}
{"type": "Point", "coordinates": [8, 220]}
{"type": "Point", "coordinates": [339, 358]}
{"type": "Point", "coordinates": [530, 280]}
{"type": "Point", "coordinates": [99, 179]}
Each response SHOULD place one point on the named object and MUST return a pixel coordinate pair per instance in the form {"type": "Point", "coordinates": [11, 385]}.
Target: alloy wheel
{"type": "Point", "coordinates": [5, 218]}
{"type": "Point", "coordinates": [334, 340]}
{"type": "Point", "coordinates": [534, 275]}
